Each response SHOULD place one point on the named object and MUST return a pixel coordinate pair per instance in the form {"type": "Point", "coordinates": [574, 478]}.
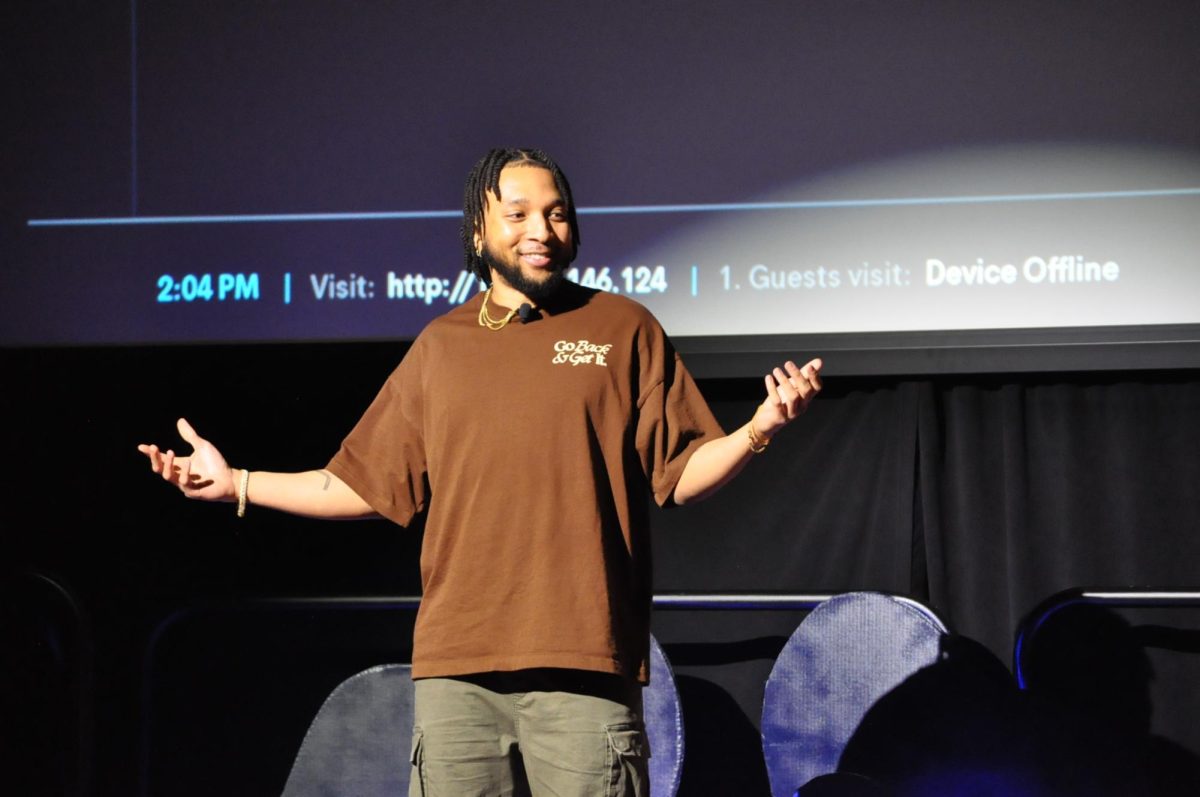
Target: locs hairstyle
{"type": "Point", "coordinates": [484, 179]}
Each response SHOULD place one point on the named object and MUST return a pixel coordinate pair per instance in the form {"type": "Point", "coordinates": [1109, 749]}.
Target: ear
{"type": "Point", "coordinates": [478, 239]}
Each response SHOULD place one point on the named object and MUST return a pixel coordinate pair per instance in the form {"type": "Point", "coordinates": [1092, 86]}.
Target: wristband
{"type": "Point", "coordinates": [242, 489]}
{"type": "Point", "coordinates": [757, 444]}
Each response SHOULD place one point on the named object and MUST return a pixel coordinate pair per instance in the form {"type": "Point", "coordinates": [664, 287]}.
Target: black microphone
{"type": "Point", "coordinates": [525, 311]}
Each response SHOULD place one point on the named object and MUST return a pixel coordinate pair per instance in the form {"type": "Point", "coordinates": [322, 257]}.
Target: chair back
{"type": "Point", "coordinates": [846, 654]}
{"type": "Point", "coordinates": [359, 742]}
{"type": "Point", "coordinates": [664, 724]}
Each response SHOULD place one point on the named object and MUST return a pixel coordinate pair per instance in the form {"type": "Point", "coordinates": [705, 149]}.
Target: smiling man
{"type": "Point", "coordinates": [531, 232]}
{"type": "Point", "coordinates": [530, 424]}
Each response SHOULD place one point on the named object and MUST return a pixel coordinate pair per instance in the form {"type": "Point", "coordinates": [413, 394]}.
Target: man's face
{"type": "Point", "coordinates": [526, 235]}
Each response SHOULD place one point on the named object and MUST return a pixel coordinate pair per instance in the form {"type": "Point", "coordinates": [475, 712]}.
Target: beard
{"type": "Point", "coordinates": [537, 291]}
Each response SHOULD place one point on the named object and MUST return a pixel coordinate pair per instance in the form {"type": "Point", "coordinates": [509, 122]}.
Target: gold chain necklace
{"type": "Point", "coordinates": [486, 320]}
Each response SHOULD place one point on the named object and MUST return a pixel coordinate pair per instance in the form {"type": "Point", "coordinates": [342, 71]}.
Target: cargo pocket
{"type": "Point", "coordinates": [628, 759]}
{"type": "Point", "coordinates": [416, 757]}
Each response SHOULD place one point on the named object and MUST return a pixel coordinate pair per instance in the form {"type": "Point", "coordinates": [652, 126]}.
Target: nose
{"type": "Point", "coordinates": [539, 229]}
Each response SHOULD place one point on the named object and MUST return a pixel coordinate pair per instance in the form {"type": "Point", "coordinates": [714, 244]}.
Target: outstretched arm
{"type": "Point", "coordinates": [789, 391]}
{"type": "Point", "coordinates": [206, 476]}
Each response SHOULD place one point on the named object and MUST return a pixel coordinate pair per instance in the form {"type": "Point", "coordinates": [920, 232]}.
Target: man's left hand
{"type": "Point", "coordinates": [789, 391]}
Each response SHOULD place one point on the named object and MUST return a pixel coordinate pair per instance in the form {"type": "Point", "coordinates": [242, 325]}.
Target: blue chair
{"type": "Point", "coordinates": [664, 725]}
{"type": "Point", "coordinates": [846, 654]}
{"type": "Point", "coordinates": [359, 743]}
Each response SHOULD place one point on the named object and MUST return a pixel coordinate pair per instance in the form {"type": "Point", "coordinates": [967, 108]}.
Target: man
{"type": "Point", "coordinates": [529, 424]}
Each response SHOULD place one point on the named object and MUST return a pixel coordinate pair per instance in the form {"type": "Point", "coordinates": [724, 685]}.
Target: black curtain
{"type": "Point", "coordinates": [1035, 486]}
{"type": "Point", "coordinates": [983, 495]}
{"type": "Point", "coordinates": [828, 507]}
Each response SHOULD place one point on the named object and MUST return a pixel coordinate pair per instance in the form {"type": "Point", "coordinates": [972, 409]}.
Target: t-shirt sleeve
{"type": "Point", "coordinates": [383, 457]}
{"type": "Point", "coordinates": [673, 420]}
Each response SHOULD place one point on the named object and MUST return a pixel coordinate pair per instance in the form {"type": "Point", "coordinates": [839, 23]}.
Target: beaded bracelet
{"type": "Point", "coordinates": [757, 444]}
{"type": "Point", "coordinates": [242, 489]}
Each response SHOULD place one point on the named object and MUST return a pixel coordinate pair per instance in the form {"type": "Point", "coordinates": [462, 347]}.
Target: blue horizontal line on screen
{"type": "Point", "coordinates": [614, 210]}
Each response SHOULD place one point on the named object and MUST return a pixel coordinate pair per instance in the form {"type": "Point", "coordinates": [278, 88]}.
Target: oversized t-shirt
{"type": "Point", "coordinates": [532, 448]}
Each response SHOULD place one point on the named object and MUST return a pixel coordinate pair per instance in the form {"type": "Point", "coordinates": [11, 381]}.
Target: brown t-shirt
{"type": "Point", "coordinates": [533, 448]}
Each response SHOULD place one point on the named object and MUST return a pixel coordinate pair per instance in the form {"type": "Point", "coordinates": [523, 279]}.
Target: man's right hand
{"type": "Point", "coordinates": [207, 476]}
{"type": "Point", "coordinates": [204, 474]}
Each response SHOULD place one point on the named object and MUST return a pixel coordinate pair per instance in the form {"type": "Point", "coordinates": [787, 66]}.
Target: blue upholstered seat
{"type": "Point", "coordinates": [359, 742]}
{"type": "Point", "coordinates": [664, 725]}
{"type": "Point", "coordinates": [845, 655]}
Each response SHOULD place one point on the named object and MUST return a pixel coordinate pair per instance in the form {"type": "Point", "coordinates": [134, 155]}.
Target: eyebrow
{"type": "Point", "coordinates": [524, 202]}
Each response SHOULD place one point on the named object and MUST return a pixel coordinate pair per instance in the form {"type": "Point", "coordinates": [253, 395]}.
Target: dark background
{"type": "Point", "coordinates": [980, 495]}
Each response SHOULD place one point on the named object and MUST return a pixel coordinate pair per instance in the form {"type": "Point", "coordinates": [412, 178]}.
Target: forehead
{"type": "Point", "coordinates": [525, 184]}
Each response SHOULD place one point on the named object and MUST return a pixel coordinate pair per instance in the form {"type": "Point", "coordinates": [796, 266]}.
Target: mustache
{"type": "Point", "coordinates": [560, 257]}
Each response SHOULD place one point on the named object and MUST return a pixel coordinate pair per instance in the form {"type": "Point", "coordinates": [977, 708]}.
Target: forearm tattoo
{"type": "Point", "coordinates": [328, 478]}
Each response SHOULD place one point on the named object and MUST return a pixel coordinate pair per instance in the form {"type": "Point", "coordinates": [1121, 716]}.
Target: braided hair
{"type": "Point", "coordinates": [484, 179]}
